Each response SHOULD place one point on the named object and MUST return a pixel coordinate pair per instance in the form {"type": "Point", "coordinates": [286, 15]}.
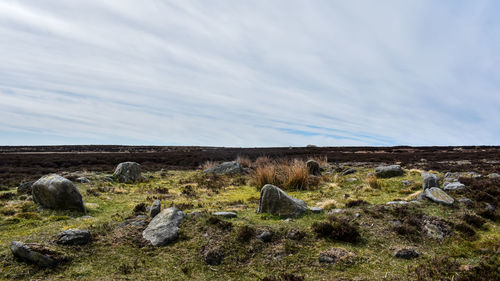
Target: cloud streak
{"type": "Point", "coordinates": [260, 73]}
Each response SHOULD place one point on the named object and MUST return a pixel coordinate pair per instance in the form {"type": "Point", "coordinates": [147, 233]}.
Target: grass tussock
{"type": "Point", "coordinates": [373, 182]}
{"type": "Point", "coordinates": [287, 174]}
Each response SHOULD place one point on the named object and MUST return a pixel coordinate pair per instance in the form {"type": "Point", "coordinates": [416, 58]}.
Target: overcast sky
{"type": "Point", "coordinates": [250, 73]}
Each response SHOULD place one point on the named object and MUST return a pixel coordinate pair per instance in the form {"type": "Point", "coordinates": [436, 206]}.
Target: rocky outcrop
{"type": "Point", "coordinates": [275, 201]}
{"type": "Point", "coordinates": [56, 192]}
{"type": "Point", "coordinates": [74, 237]}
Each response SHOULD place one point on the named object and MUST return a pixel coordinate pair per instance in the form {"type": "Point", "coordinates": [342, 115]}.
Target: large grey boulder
{"type": "Point", "coordinates": [55, 192]}
{"type": "Point", "coordinates": [33, 253]}
{"type": "Point", "coordinates": [429, 180]}
{"type": "Point", "coordinates": [388, 171]}
{"type": "Point", "coordinates": [313, 167]}
{"type": "Point", "coordinates": [74, 237]}
{"type": "Point", "coordinates": [230, 168]}
{"type": "Point", "coordinates": [25, 187]}
{"type": "Point", "coordinates": [437, 195]}
{"type": "Point", "coordinates": [128, 172]}
{"type": "Point", "coordinates": [275, 201]}
{"type": "Point", "coordinates": [164, 227]}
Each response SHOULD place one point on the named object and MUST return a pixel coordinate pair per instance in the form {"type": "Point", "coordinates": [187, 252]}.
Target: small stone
{"type": "Point", "coordinates": [335, 211]}
{"type": "Point", "coordinates": [225, 214]}
{"type": "Point", "coordinates": [352, 179]}
{"type": "Point", "coordinates": [265, 236]}
{"type": "Point", "coordinates": [439, 196]}
{"type": "Point", "coordinates": [494, 176]}
{"type": "Point", "coordinates": [155, 208]}
{"type": "Point", "coordinates": [34, 253]}
{"type": "Point", "coordinates": [74, 237]}
{"type": "Point", "coordinates": [406, 253]}
{"type": "Point", "coordinates": [55, 192]}
{"type": "Point", "coordinates": [388, 171]}
{"type": "Point", "coordinates": [466, 201]}
{"type": "Point", "coordinates": [288, 220]}
{"type": "Point", "coordinates": [396, 203]}
{"type": "Point", "coordinates": [454, 186]}
{"type": "Point", "coordinates": [82, 180]}
{"type": "Point", "coordinates": [348, 172]}
{"type": "Point", "coordinates": [316, 210]}
{"type": "Point", "coordinates": [295, 234]}
{"type": "Point", "coordinates": [429, 180]}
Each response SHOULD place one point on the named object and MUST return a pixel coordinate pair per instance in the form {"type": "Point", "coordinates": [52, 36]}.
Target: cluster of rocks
{"type": "Point", "coordinates": [432, 191]}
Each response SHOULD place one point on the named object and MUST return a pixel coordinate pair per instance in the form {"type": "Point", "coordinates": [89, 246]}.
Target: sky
{"type": "Point", "coordinates": [250, 73]}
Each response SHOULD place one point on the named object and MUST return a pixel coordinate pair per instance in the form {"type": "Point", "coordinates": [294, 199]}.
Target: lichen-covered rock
{"type": "Point", "coordinates": [74, 237]}
{"type": "Point", "coordinates": [128, 172]}
{"type": "Point", "coordinates": [275, 201]}
{"type": "Point", "coordinates": [155, 208]}
{"type": "Point", "coordinates": [34, 253]}
{"type": "Point", "coordinates": [164, 227]}
{"type": "Point", "coordinates": [388, 171]}
{"type": "Point", "coordinates": [429, 180]}
{"type": "Point", "coordinates": [229, 168]}
{"type": "Point", "coordinates": [454, 186]}
{"type": "Point", "coordinates": [55, 192]}
{"type": "Point", "coordinates": [313, 167]}
{"type": "Point", "coordinates": [437, 195]}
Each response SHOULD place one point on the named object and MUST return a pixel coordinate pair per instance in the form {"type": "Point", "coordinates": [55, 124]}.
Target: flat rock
{"type": "Point", "coordinates": [406, 253]}
{"type": "Point", "coordinates": [74, 237]}
{"type": "Point", "coordinates": [230, 168]}
{"type": "Point", "coordinates": [429, 180]}
{"type": "Point", "coordinates": [128, 172]}
{"type": "Point", "coordinates": [275, 201]}
{"type": "Point", "coordinates": [397, 203]}
{"type": "Point", "coordinates": [55, 192]}
{"type": "Point", "coordinates": [82, 180]}
{"type": "Point", "coordinates": [225, 214]}
{"type": "Point", "coordinates": [34, 253]}
{"type": "Point", "coordinates": [352, 179]}
{"type": "Point", "coordinates": [335, 211]}
{"type": "Point", "coordinates": [348, 172]}
{"type": "Point", "coordinates": [439, 196]}
{"type": "Point", "coordinates": [454, 186]}
{"type": "Point", "coordinates": [155, 208]}
{"type": "Point", "coordinates": [388, 171]}
{"type": "Point", "coordinates": [316, 210]}
{"type": "Point", "coordinates": [164, 227]}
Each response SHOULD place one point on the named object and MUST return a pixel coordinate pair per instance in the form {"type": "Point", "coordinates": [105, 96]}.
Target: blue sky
{"type": "Point", "coordinates": [249, 73]}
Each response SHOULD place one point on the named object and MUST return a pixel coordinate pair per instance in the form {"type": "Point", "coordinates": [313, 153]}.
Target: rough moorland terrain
{"type": "Point", "coordinates": [318, 222]}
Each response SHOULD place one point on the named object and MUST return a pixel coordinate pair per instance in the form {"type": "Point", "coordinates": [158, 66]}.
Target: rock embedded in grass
{"type": "Point", "coordinates": [313, 167]}
{"type": "Point", "coordinates": [275, 201]}
{"type": "Point", "coordinates": [164, 227]}
{"type": "Point", "coordinates": [74, 237]}
{"type": "Point", "coordinates": [155, 208]}
{"type": "Point", "coordinates": [439, 196]}
{"type": "Point", "coordinates": [226, 168]}
{"type": "Point", "coordinates": [348, 172]}
{"type": "Point", "coordinates": [128, 172]}
{"type": "Point", "coordinates": [55, 192]}
{"type": "Point", "coordinates": [454, 186]}
{"type": "Point", "coordinates": [406, 253]}
{"type": "Point", "coordinates": [388, 171]}
{"type": "Point", "coordinates": [225, 214]}
{"type": "Point", "coordinates": [34, 253]}
{"type": "Point", "coordinates": [82, 180]}
{"type": "Point", "coordinates": [316, 210]}
{"type": "Point", "coordinates": [429, 180]}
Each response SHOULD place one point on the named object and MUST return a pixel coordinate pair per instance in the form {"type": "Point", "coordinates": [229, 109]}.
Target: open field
{"type": "Point", "coordinates": [458, 242]}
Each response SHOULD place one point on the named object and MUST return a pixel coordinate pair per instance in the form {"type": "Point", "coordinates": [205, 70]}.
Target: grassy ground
{"type": "Point", "coordinates": [119, 253]}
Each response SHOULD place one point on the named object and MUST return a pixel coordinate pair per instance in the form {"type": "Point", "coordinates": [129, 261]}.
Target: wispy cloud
{"type": "Point", "coordinates": [259, 73]}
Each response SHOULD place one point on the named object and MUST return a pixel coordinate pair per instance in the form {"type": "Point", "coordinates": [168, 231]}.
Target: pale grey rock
{"type": "Point", "coordinates": [164, 227]}
{"type": "Point", "coordinates": [494, 176]}
{"type": "Point", "coordinates": [155, 208]}
{"type": "Point", "coordinates": [397, 203]}
{"type": "Point", "coordinates": [266, 236]}
{"type": "Point", "coordinates": [275, 201]}
{"type": "Point", "coordinates": [230, 168]}
{"type": "Point", "coordinates": [454, 186]}
{"type": "Point", "coordinates": [466, 201]}
{"type": "Point", "coordinates": [388, 171]}
{"type": "Point", "coordinates": [55, 192]}
{"type": "Point", "coordinates": [316, 210]}
{"type": "Point", "coordinates": [225, 214]}
{"type": "Point", "coordinates": [128, 172]}
{"type": "Point", "coordinates": [429, 180]}
{"type": "Point", "coordinates": [82, 180]}
{"type": "Point", "coordinates": [439, 196]}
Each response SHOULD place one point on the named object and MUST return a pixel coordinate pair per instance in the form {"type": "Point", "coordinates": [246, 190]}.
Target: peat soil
{"type": "Point", "coordinates": [23, 163]}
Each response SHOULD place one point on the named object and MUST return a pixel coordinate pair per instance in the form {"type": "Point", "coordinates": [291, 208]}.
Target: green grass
{"type": "Point", "coordinates": [114, 254]}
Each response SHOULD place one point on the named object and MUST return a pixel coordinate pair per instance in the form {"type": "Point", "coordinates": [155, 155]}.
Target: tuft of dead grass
{"type": "Point", "coordinates": [373, 182]}
{"type": "Point", "coordinates": [244, 161]}
{"type": "Point", "coordinates": [287, 174]}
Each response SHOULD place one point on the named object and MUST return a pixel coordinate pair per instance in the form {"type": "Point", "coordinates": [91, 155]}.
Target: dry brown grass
{"type": "Point", "coordinates": [287, 174]}
{"type": "Point", "coordinates": [328, 204]}
{"type": "Point", "coordinates": [208, 165]}
{"type": "Point", "coordinates": [244, 161]}
{"type": "Point", "coordinates": [373, 182]}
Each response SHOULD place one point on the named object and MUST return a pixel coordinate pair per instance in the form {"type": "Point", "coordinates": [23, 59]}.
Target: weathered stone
{"type": "Point", "coordinates": [494, 176]}
{"type": "Point", "coordinates": [25, 188]}
{"type": "Point", "coordinates": [34, 253]}
{"type": "Point", "coordinates": [406, 253]}
{"type": "Point", "coordinates": [74, 237]}
{"type": "Point", "coordinates": [275, 201]}
{"type": "Point", "coordinates": [128, 172]}
{"type": "Point", "coordinates": [82, 180]}
{"type": "Point", "coordinates": [313, 167]}
{"type": "Point", "coordinates": [316, 210]}
{"type": "Point", "coordinates": [352, 179]}
{"type": "Point", "coordinates": [429, 180]}
{"type": "Point", "coordinates": [466, 201]}
{"type": "Point", "coordinates": [56, 192]}
{"type": "Point", "coordinates": [348, 172]}
{"type": "Point", "coordinates": [225, 214]}
{"type": "Point", "coordinates": [439, 196]}
{"type": "Point", "coordinates": [388, 171]}
{"type": "Point", "coordinates": [155, 208]}
{"type": "Point", "coordinates": [454, 186]}
{"type": "Point", "coordinates": [434, 230]}
{"type": "Point", "coordinates": [397, 203]}
{"type": "Point", "coordinates": [164, 227]}
{"type": "Point", "coordinates": [265, 236]}
{"type": "Point", "coordinates": [336, 255]}
{"type": "Point", "coordinates": [407, 182]}
{"type": "Point", "coordinates": [230, 168]}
